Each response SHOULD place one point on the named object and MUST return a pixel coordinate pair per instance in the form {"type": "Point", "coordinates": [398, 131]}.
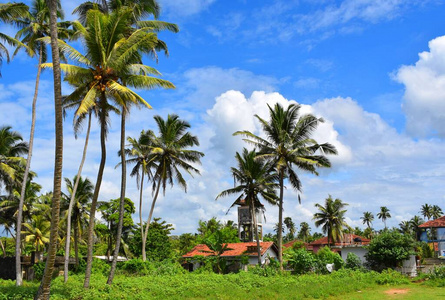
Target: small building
{"type": "Point", "coordinates": [433, 231]}
{"type": "Point", "coordinates": [237, 250]}
{"type": "Point", "coordinates": [348, 243]}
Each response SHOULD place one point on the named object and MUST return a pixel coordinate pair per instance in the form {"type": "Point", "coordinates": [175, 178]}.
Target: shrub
{"type": "Point", "coordinates": [39, 268]}
{"type": "Point", "coordinates": [100, 267]}
{"type": "Point", "coordinates": [437, 273]}
{"type": "Point", "coordinates": [326, 256]}
{"type": "Point", "coordinates": [353, 261]}
{"type": "Point", "coordinates": [301, 261]}
{"type": "Point", "coordinates": [391, 277]}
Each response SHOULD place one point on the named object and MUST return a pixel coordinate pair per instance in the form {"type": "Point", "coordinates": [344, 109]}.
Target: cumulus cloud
{"type": "Point", "coordinates": [424, 98]}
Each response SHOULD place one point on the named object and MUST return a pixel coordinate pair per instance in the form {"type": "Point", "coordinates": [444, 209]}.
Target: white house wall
{"type": "Point", "coordinates": [359, 251]}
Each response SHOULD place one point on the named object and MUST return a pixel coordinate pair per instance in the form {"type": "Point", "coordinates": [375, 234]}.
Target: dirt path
{"type": "Point", "coordinates": [397, 291]}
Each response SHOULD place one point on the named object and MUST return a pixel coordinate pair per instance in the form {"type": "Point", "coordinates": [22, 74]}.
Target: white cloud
{"type": "Point", "coordinates": [424, 98]}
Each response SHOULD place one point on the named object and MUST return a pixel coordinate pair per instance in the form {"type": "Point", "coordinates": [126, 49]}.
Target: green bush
{"type": "Point", "coordinates": [437, 273]}
{"type": "Point", "coordinates": [100, 266]}
{"type": "Point", "coordinates": [391, 277]}
{"type": "Point", "coordinates": [301, 261]}
{"type": "Point", "coordinates": [326, 256]}
{"type": "Point", "coordinates": [353, 262]}
{"type": "Point", "coordinates": [38, 270]}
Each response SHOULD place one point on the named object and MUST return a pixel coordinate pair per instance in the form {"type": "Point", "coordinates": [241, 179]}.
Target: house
{"type": "Point", "coordinates": [436, 235]}
{"type": "Point", "coordinates": [347, 244]}
{"type": "Point", "coordinates": [237, 250]}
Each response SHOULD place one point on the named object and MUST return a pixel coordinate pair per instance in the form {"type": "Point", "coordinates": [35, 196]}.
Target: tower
{"type": "Point", "coordinates": [246, 230]}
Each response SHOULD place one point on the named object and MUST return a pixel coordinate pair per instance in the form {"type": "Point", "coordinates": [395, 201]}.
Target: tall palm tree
{"type": "Point", "coordinates": [331, 217]}
{"type": "Point", "coordinates": [384, 214]}
{"type": "Point", "coordinates": [254, 179]}
{"type": "Point", "coordinates": [10, 13]}
{"type": "Point", "coordinates": [35, 26]}
{"type": "Point", "coordinates": [436, 212]}
{"type": "Point", "coordinates": [415, 222]}
{"type": "Point", "coordinates": [170, 153]}
{"type": "Point", "coordinates": [305, 231]}
{"type": "Point", "coordinates": [139, 154]}
{"type": "Point", "coordinates": [426, 211]}
{"type": "Point", "coordinates": [288, 145]}
{"type": "Point", "coordinates": [367, 218]}
{"type": "Point", "coordinates": [111, 67]}
{"type": "Point", "coordinates": [44, 289]}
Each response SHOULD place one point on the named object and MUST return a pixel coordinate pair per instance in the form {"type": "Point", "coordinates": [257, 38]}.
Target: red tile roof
{"type": "Point", "coordinates": [440, 222]}
{"type": "Point", "coordinates": [347, 239]}
{"type": "Point", "coordinates": [237, 249]}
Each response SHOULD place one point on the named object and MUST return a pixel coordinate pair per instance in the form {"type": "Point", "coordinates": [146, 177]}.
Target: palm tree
{"type": "Point", "coordinates": [254, 179]}
{"type": "Point", "coordinates": [111, 66]}
{"type": "Point", "coordinates": [415, 222]}
{"type": "Point", "coordinates": [44, 289]}
{"type": "Point", "coordinates": [436, 212]}
{"type": "Point", "coordinates": [426, 211]}
{"type": "Point", "coordinates": [10, 13]}
{"type": "Point", "coordinates": [367, 218]}
{"type": "Point", "coordinates": [405, 227]}
{"type": "Point", "coordinates": [11, 149]}
{"type": "Point", "coordinates": [79, 210]}
{"type": "Point", "coordinates": [384, 214]}
{"type": "Point", "coordinates": [290, 225]}
{"type": "Point", "coordinates": [37, 231]}
{"type": "Point", "coordinates": [305, 231]}
{"type": "Point", "coordinates": [35, 26]}
{"type": "Point", "coordinates": [170, 153]}
{"type": "Point", "coordinates": [288, 144]}
{"type": "Point", "coordinates": [331, 216]}
{"type": "Point", "coordinates": [139, 155]}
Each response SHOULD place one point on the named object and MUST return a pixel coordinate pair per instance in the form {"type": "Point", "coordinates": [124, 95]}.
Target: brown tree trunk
{"type": "Point", "coordinates": [70, 207]}
{"type": "Point", "coordinates": [122, 200]}
{"type": "Point", "coordinates": [100, 173]}
{"type": "Point", "coordinates": [44, 289]}
{"type": "Point", "coordinates": [255, 225]}
{"type": "Point", "coordinates": [18, 267]}
{"type": "Point", "coordinates": [76, 243]}
{"type": "Point", "coordinates": [280, 221]}
{"type": "Point", "coordinates": [144, 238]}
{"type": "Point", "coordinates": [140, 212]}
{"type": "Point", "coordinates": [3, 248]}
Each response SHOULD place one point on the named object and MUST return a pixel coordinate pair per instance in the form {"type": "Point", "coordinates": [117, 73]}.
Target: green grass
{"type": "Point", "coordinates": [344, 284]}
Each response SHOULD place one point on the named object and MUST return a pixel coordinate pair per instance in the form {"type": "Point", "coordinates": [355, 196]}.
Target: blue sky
{"type": "Point", "coordinates": [374, 70]}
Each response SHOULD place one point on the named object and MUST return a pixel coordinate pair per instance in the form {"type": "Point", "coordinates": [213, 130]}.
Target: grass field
{"type": "Point", "coordinates": [344, 284]}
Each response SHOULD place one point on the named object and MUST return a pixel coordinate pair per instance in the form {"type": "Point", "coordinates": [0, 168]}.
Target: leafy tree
{"type": "Point", "coordinates": [353, 261]}
{"type": "Point", "coordinates": [301, 261]}
{"type": "Point", "coordinates": [331, 218]}
{"type": "Point", "coordinates": [171, 154]}
{"type": "Point", "coordinates": [37, 232]}
{"type": "Point", "coordinates": [389, 249]}
{"type": "Point", "coordinates": [326, 256]}
{"type": "Point", "coordinates": [367, 218]}
{"type": "Point", "coordinates": [288, 145]}
{"type": "Point", "coordinates": [384, 214]}
{"type": "Point", "coordinates": [253, 179]}
{"type": "Point", "coordinates": [186, 242]}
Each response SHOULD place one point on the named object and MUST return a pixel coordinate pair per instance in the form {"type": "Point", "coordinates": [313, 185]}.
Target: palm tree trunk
{"type": "Point", "coordinates": [144, 238]}
{"type": "Point", "coordinates": [140, 211]}
{"type": "Point", "coordinates": [280, 221]}
{"type": "Point", "coordinates": [44, 289]}
{"type": "Point", "coordinates": [100, 173]}
{"type": "Point", "coordinates": [76, 243]}
{"type": "Point", "coordinates": [122, 202]}
{"type": "Point", "coordinates": [255, 225]}
{"type": "Point", "coordinates": [3, 248]}
{"type": "Point", "coordinates": [73, 197]}
{"type": "Point", "coordinates": [18, 267]}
